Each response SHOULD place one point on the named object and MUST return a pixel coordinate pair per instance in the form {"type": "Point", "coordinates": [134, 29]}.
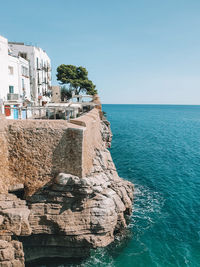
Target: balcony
{"type": "Point", "coordinates": [45, 68]}
{"type": "Point", "coordinates": [39, 67]}
{"type": "Point", "coordinates": [47, 93]}
{"type": "Point", "coordinates": [12, 97]}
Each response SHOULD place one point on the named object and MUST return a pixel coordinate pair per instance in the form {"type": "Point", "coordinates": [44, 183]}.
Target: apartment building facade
{"type": "Point", "coordinates": [25, 77]}
{"type": "Point", "coordinates": [40, 70]}
{"type": "Point", "coordinates": [3, 68]}
{"type": "Point", "coordinates": [14, 81]}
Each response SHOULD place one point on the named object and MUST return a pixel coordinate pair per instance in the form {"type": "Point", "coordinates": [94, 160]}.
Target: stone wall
{"type": "Point", "coordinates": [5, 176]}
{"type": "Point", "coordinates": [39, 150]}
{"type": "Point", "coordinates": [56, 95]}
{"type": "Point", "coordinates": [35, 151]}
{"type": "Point", "coordinates": [74, 199]}
{"type": "Point", "coordinates": [92, 138]}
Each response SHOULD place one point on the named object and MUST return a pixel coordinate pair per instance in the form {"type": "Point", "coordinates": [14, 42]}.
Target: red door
{"type": "Point", "coordinates": [7, 110]}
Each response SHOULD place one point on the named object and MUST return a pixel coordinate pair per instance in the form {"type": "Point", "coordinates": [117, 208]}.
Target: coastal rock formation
{"type": "Point", "coordinates": [69, 214]}
{"type": "Point", "coordinates": [73, 212]}
{"type": "Point", "coordinates": [14, 215]}
{"type": "Point", "coordinates": [11, 254]}
{"type": "Point", "coordinates": [13, 222]}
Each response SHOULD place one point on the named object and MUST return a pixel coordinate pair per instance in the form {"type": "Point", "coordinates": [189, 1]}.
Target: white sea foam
{"type": "Point", "coordinates": [100, 258]}
{"type": "Point", "coordinates": [146, 204]}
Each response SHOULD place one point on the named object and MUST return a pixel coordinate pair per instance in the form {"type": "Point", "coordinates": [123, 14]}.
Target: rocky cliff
{"type": "Point", "coordinates": [66, 213]}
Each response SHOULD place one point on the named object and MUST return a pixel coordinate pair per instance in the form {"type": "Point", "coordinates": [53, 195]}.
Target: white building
{"type": "Point", "coordinates": [18, 92]}
{"type": "Point", "coordinates": [25, 77]}
{"type": "Point", "coordinates": [18, 79]}
{"type": "Point", "coordinates": [3, 69]}
{"type": "Point", "coordinates": [40, 70]}
{"type": "Point", "coordinates": [14, 81]}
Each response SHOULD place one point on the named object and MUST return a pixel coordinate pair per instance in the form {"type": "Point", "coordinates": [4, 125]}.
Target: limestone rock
{"type": "Point", "coordinates": [68, 215]}
{"type": "Point", "coordinates": [79, 212]}
{"type": "Point", "coordinates": [11, 254]}
{"type": "Point", "coordinates": [106, 132]}
{"type": "Point", "coordinates": [14, 215]}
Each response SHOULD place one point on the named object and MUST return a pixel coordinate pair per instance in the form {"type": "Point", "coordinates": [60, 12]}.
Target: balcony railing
{"type": "Point", "coordinates": [46, 113]}
{"type": "Point", "coordinates": [39, 67]}
{"type": "Point", "coordinates": [12, 97]}
{"type": "Point", "coordinates": [47, 93]}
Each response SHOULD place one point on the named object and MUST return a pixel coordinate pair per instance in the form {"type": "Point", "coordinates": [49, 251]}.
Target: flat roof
{"type": "Point", "coordinates": [19, 43]}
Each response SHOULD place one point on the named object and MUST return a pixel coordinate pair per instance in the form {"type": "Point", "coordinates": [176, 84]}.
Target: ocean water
{"type": "Point", "coordinates": [157, 147]}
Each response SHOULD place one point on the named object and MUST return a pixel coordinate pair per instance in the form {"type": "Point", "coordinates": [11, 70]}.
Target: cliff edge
{"type": "Point", "coordinates": [61, 195]}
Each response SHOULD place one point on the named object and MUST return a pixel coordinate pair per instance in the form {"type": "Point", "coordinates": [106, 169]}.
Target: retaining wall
{"type": "Point", "coordinates": [32, 152]}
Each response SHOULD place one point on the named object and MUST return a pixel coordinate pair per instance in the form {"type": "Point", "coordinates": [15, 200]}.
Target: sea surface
{"type": "Point", "coordinates": [157, 147]}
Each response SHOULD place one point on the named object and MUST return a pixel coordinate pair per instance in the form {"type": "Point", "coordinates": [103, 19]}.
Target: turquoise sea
{"type": "Point", "coordinates": [157, 147]}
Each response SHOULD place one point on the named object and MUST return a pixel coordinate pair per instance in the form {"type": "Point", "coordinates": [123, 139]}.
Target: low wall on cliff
{"type": "Point", "coordinates": [34, 151]}
{"type": "Point", "coordinates": [92, 138]}
{"type": "Point", "coordinates": [5, 176]}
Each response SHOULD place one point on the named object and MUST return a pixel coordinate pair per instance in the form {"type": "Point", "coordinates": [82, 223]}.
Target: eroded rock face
{"type": "Point", "coordinates": [106, 132]}
{"type": "Point", "coordinates": [69, 215]}
{"type": "Point", "coordinates": [82, 213]}
{"type": "Point", "coordinates": [14, 215]}
{"type": "Point", "coordinates": [11, 254]}
{"type": "Point", "coordinates": [13, 222]}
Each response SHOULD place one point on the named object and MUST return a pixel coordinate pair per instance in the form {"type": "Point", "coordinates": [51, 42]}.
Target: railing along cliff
{"type": "Point", "coordinates": [48, 112]}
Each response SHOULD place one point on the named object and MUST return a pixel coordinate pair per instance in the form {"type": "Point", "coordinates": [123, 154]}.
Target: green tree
{"type": "Point", "coordinates": [66, 93]}
{"type": "Point", "coordinates": [76, 78]}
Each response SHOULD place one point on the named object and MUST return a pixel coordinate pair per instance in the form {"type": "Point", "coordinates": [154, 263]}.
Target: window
{"type": "Point", "coordinates": [23, 87]}
{"type": "Point", "coordinates": [37, 63]}
{"type": "Point", "coordinates": [25, 71]}
{"type": "Point", "coordinates": [10, 70]}
{"type": "Point", "coordinates": [39, 79]}
{"type": "Point", "coordinates": [11, 89]}
{"type": "Point", "coordinates": [24, 55]}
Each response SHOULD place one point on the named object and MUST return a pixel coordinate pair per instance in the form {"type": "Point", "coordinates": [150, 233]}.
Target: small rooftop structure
{"type": "Point", "coordinates": [18, 43]}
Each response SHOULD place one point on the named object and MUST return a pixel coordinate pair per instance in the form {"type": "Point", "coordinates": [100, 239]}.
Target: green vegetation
{"type": "Point", "coordinates": [76, 78]}
{"type": "Point", "coordinates": [66, 93]}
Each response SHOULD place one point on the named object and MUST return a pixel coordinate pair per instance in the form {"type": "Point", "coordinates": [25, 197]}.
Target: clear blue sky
{"type": "Point", "coordinates": [144, 51]}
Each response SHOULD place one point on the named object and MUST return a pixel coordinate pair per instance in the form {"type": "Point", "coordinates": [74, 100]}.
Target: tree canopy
{"type": "Point", "coordinates": [76, 78]}
{"type": "Point", "coordinates": [66, 93]}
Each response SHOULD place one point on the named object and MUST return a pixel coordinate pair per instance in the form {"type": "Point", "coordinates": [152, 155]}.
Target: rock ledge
{"type": "Point", "coordinates": [69, 215]}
